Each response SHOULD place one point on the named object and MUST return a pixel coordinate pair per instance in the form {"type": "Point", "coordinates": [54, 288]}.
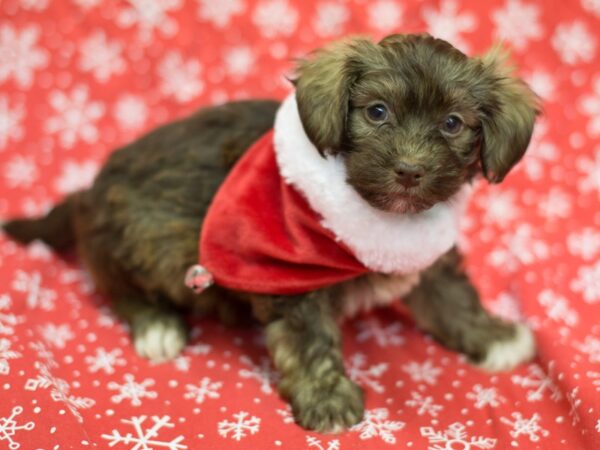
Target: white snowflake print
{"type": "Point", "coordinates": [590, 106]}
{"type": "Point", "coordinates": [313, 442]}
{"type": "Point", "coordinates": [423, 405]}
{"type": "Point", "coordinates": [132, 390]}
{"type": "Point", "coordinates": [527, 427]}
{"type": "Point", "coordinates": [454, 437]}
{"type": "Point", "coordinates": [101, 56]}
{"type": "Point", "coordinates": [57, 335]}
{"type": "Point", "coordinates": [8, 320]}
{"type": "Point", "coordinates": [592, 6]}
{"type": "Point", "coordinates": [75, 116]}
{"type": "Point", "coordinates": [19, 55]}
{"type": "Point", "coordinates": [105, 361]}
{"type": "Point", "coordinates": [538, 383]}
{"type": "Point", "coordinates": [542, 83]}
{"type": "Point", "coordinates": [591, 173]}
{"type": "Point", "coordinates": [376, 424]}
{"type": "Point", "coordinates": [10, 122]}
{"type": "Point", "coordinates": [557, 308]}
{"type": "Point", "coordinates": [507, 307]}
{"type": "Point", "coordinates": [484, 397]}
{"type": "Point", "coordinates": [556, 204]}
{"type": "Point", "coordinates": [262, 372]}
{"type": "Point", "coordinates": [449, 24]}
{"type": "Point", "coordinates": [9, 428]}
{"type": "Point", "coordinates": [383, 336]}
{"type": "Point", "coordinates": [182, 363]}
{"type": "Point", "coordinates": [37, 250]}
{"type": "Point", "coordinates": [34, 5]}
{"type": "Point", "coordinates": [221, 12]}
{"type": "Point", "coordinates": [500, 207]}
{"type": "Point", "coordinates": [131, 112]}
{"type": "Point", "coordinates": [425, 372]}
{"type": "Point", "coordinates": [87, 4]}
{"type": "Point", "coordinates": [239, 61]}
{"type": "Point", "coordinates": [588, 283]}
{"type": "Point", "coordinates": [574, 403]}
{"type": "Point", "coordinates": [37, 296]}
{"type": "Point", "coordinates": [286, 414]}
{"type": "Point", "coordinates": [330, 19]}
{"type": "Point", "coordinates": [5, 355]}
{"type": "Point", "coordinates": [240, 427]}
{"type": "Point", "coordinates": [520, 248]}
{"type": "Point", "coordinates": [574, 43]}
{"type": "Point", "coordinates": [60, 391]}
{"type": "Point", "coordinates": [584, 243]}
{"type": "Point", "coordinates": [595, 376]}
{"type": "Point", "coordinates": [540, 151]}
{"type": "Point", "coordinates": [275, 18]}
{"type": "Point", "coordinates": [76, 176]}
{"type": "Point", "coordinates": [365, 376]}
{"type": "Point", "coordinates": [20, 171]}
{"type": "Point", "coordinates": [180, 78]}
{"type": "Point", "coordinates": [148, 16]}
{"type": "Point", "coordinates": [145, 439]}
{"type": "Point", "coordinates": [205, 389]}
{"type": "Point", "coordinates": [518, 23]}
{"type": "Point", "coordinates": [598, 426]}
{"type": "Point", "coordinates": [44, 354]}
{"type": "Point", "coordinates": [591, 347]}
{"type": "Point", "coordinates": [385, 15]}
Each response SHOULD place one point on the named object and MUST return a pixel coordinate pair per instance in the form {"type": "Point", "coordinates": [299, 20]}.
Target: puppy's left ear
{"type": "Point", "coordinates": [509, 110]}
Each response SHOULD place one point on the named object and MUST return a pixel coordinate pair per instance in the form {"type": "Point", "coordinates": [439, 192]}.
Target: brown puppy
{"type": "Point", "coordinates": [413, 120]}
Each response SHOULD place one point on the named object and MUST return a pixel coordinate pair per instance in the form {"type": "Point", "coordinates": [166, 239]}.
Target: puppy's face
{"type": "Point", "coordinates": [413, 118]}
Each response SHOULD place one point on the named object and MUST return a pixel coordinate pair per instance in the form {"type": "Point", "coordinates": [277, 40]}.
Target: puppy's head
{"type": "Point", "coordinates": [414, 118]}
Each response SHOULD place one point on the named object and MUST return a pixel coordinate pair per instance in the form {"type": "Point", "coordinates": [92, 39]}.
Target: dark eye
{"type": "Point", "coordinates": [377, 113]}
{"type": "Point", "coordinates": [453, 124]}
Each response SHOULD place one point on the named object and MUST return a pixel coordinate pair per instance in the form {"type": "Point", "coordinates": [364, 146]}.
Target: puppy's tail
{"type": "Point", "coordinates": [55, 229]}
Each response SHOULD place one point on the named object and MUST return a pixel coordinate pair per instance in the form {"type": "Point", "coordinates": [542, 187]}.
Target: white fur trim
{"type": "Point", "coordinates": [383, 241]}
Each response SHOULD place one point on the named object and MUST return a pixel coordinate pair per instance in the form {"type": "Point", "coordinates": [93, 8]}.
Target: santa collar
{"type": "Point", "coordinates": [286, 221]}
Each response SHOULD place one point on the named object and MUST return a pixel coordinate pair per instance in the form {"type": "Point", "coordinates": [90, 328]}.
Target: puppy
{"type": "Point", "coordinates": [393, 130]}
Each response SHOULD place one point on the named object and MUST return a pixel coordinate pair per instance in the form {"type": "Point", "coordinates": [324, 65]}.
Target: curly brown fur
{"type": "Point", "coordinates": [137, 227]}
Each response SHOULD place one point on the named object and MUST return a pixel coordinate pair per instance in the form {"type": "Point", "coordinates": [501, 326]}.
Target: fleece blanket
{"type": "Point", "coordinates": [81, 77]}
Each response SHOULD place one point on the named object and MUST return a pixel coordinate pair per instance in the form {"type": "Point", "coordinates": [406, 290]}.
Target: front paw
{"type": "Point", "coordinates": [159, 337]}
{"type": "Point", "coordinates": [505, 354]}
{"type": "Point", "coordinates": [327, 409]}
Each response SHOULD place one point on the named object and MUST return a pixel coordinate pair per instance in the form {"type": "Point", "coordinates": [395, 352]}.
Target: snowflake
{"type": "Point", "coordinates": [592, 6]}
{"type": "Point", "coordinates": [383, 336]}
{"type": "Point", "coordinates": [241, 427]}
{"type": "Point", "coordinates": [448, 24]}
{"type": "Point", "coordinates": [37, 296]}
{"type": "Point", "coordinates": [518, 23]}
{"type": "Point", "coordinates": [10, 122]}
{"type": "Point", "coordinates": [262, 372]}
{"type": "Point", "coordinates": [574, 43]}
{"type": "Point", "coordinates": [574, 402]}
{"type": "Point", "coordinates": [145, 439]}
{"type": "Point", "coordinates": [5, 354]}
{"type": "Point", "coordinates": [507, 307]}
{"type": "Point", "coordinates": [585, 243]}
{"type": "Point", "coordinates": [239, 61]}
{"type": "Point", "coordinates": [522, 426]}
{"type": "Point", "coordinates": [598, 426]}
{"type": "Point", "coordinates": [540, 151]}
{"type": "Point", "coordinates": [131, 390]}
{"type": "Point", "coordinates": [543, 84]}
{"type": "Point", "coordinates": [556, 204]}
{"type": "Point", "coordinates": [75, 116]}
{"type": "Point", "coordinates": [455, 437]}
{"type": "Point", "coordinates": [591, 347]}
{"type": "Point", "coordinates": [275, 18]}
{"type": "Point", "coordinates": [150, 15]}
{"type": "Point", "coordinates": [590, 106]}
{"type": "Point", "coordinates": [557, 308]}
{"type": "Point", "coordinates": [330, 19]}
{"type": "Point", "coordinates": [591, 170]}
{"type": "Point", "coordinates": [286, 414]}
{"type": "Point", "coordinates": [131, 112]}
{"type": "Point", "coordinates": [20, 171]}
{"type": "Point", "coordinates": [101, 56]}
{"type": "Point", "coordinates": [499, 207]}
{"type": "Point", "coordinates": [76, 176]}
{"type": "Point", "coordinates": [595, 376]}
{"type": "Point", "coordinates": [34, 5]}
{"type": "Point", "coordinates": [538, 383]}
{"type": "Point", "coordinates": [56, 336]}
{"type": "Point", "coordinates": [376, 424]}
{"type": "Point", "coordinates": [59, 392]}
{"type": "Point", "coordinates": [87, 4]}
{"type": "Point", "coordinates": [179, 78]}
{"type": "Point", "coordinates": [312, 441]}
{"type": "Point", "coordinates": [385, 15]}
{"type": "Point", "coordinates": [520, 248]}
{"type": "Point", "coordinates": [221, 12]}
{"type": "Point", "coordinates": [19, 56]}
{"type": "Point", "coordinates": [7, 320]}
{"type": "Point", "coordinates": [485, 396]}
{"type": "Point", "coordinates": [588, 282]}
{"type": "Point", "coordinates": [206, 389]}
{"type": "Point", "coordinates": [44, 354]}
{"type": "Point", "coordinates": [182, 363]}
{"type": "Point", "coordinates": [9, 427]}
{"type": "Point", "coordinates": [425, 372]}
{"type": "Point", "coordinates": [366, 376]}
{"type": "Point", "coordinates": [424, 405]}
{"type": "Point", "coordinates": [105, 361]}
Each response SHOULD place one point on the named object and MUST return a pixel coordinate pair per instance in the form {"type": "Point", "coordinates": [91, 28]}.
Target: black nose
{"type": "Point", "coordinates": [409, 175]}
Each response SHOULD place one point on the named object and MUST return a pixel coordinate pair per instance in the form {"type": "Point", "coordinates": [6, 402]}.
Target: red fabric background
{"type": "Point", "coordinates": [80, 77]}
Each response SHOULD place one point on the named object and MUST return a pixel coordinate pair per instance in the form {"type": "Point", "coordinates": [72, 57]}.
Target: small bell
{"type": "Point", "coordinates": [197, 278]}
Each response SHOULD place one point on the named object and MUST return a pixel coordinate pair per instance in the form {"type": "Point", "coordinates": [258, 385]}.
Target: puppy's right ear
{"type": "Point", "coordinates": [323, 83]}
